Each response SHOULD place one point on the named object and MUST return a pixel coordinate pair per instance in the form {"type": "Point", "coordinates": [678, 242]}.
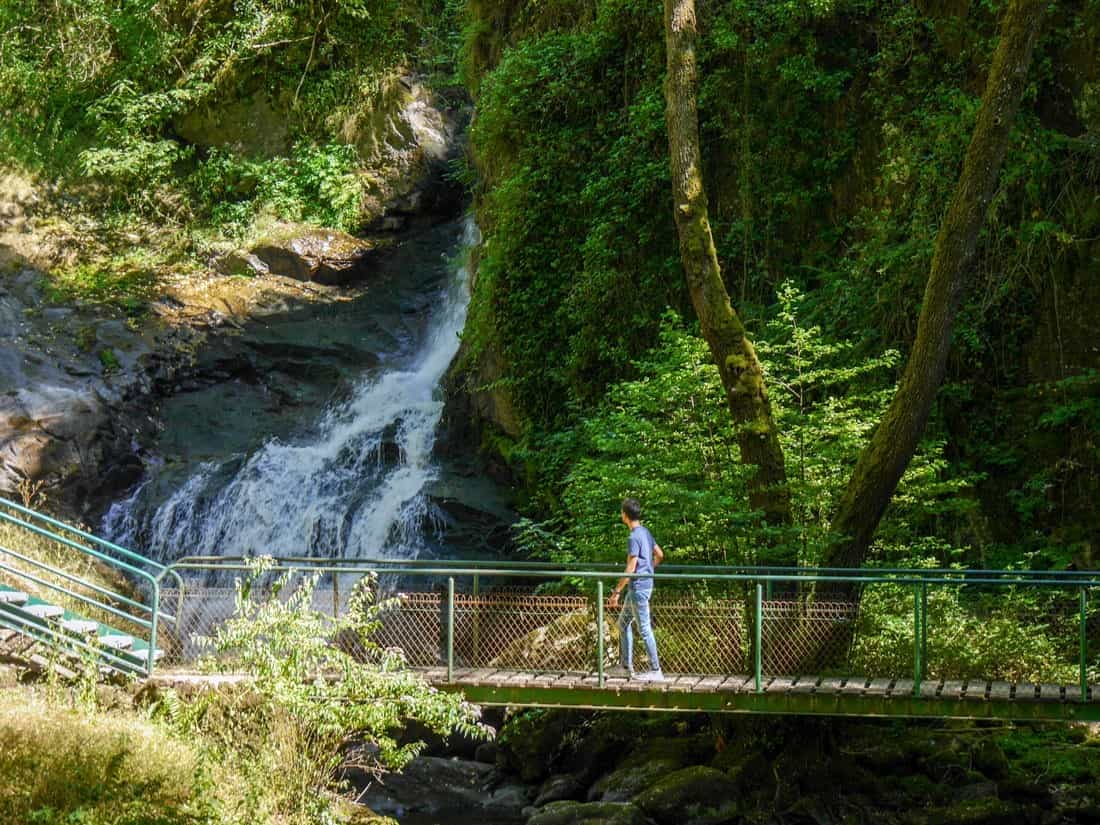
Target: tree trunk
{"type": "Point", "coordinates": [730, 347]}
{"type": "Point", "coordinates": [885, 458]}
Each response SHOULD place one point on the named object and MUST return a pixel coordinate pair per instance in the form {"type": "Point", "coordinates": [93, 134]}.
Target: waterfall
{"type": "Point", "coordinates": [352, 486]}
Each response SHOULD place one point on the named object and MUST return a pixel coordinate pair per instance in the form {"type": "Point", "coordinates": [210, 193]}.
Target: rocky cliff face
{"type": "Point", "coordinates": [80, 382]}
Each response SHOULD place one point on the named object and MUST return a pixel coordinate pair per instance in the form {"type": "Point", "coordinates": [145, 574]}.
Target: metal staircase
{"type": "Point", "coordinates": [54, 613]}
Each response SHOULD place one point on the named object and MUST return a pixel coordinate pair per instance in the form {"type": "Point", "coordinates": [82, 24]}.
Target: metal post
{"type": "Point", "coordinates": [451, 629]}
{"type": "Point", "coordinates": [924, 628]}
{"type": "Point", "coordinates": [477, 622]}
{"type": "Point", "coordinates": [335, 595]}
{"type": "Point", "coordinates": [1084, 646]}
{"type": "Point", "coordinates": [759, 637]}
{"type": "Point", "coordinates": [918, 666]}
{"type": "Point", "coordinates": [599, 632]}
{"type": "Point", "coordinates": [152, 661]}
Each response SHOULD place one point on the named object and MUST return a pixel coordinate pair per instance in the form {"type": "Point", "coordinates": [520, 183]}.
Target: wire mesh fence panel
{"type": "Point", "coordinates": [800, 637]}
{"type": "Point", "coordinates": [530, 632]}
{"type": "Point", "coordinates": [199, 613]}
{"type": "Point", "coordinates": [415, 623]}
{"type": "Point", "coordinates": [692, 637]}
{"type": "Point", "coordinates": [1002, 634]}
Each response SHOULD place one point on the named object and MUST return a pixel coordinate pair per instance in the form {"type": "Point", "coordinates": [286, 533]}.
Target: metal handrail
{"type": "Point", "coordinates": [465, 566]}
{"type": "Point", "coordinates": [136, 565]}
{"type": "Point", "coordinates": [759, 574]}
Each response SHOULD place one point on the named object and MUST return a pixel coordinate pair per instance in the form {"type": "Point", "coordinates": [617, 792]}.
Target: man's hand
{"type": "Point", "coordinates": [613, 602]}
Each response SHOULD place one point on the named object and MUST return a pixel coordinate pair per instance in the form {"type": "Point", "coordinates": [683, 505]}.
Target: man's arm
{"type": "Point", "coordinates": [658, 555]}
{"type": "Point", "coordinates": [631, 566]}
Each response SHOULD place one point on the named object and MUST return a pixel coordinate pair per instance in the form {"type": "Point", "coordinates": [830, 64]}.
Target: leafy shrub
{"type": "Point", "coordinates": [320, 694]}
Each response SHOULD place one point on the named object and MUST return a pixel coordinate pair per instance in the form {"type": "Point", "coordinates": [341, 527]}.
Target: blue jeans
{"type": "Point", "coordinates": [636, 606]}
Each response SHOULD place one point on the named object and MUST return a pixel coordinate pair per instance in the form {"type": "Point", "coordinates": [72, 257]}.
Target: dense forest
{"type": "Point", "coordinates": [832, 137]}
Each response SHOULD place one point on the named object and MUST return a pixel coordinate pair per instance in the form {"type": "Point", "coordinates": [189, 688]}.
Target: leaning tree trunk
{"type": "Point", "coordinates": [885, 458]}
{"type": "Point", "coordinates": [729, 345]}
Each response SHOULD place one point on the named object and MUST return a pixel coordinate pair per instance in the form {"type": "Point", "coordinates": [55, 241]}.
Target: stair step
{"type": "Point", "coordinates": [117, 641]}
{"type": "Point", "coordinates": [83, 627]}
{"type": "Point", "coordinates": [16, 597]}
{"type": "Point", "coordinates": [42, 610]}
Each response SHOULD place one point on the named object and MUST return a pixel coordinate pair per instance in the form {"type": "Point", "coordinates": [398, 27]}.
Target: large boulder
{"type": "Point", "coordinates": [324, 256]}
{"type": "Point", "coordinates": [589, 813]}
{"type": "Point", "coordinates": [693, 796]}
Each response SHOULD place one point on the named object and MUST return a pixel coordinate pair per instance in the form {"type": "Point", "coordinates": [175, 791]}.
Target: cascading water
{"type": "Point", "coordinates": [353, 486]}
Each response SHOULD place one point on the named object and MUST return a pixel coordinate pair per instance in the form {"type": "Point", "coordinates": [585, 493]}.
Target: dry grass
{"type": "Point", "coordinates": [61, 765]}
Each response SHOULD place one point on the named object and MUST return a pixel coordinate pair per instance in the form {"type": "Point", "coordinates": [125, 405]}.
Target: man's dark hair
{"type": "Point", "coordinates": [632, 509]}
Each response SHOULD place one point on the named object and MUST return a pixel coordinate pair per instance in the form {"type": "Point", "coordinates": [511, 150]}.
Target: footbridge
{"type": "Point", "coordinates": [941, 643]}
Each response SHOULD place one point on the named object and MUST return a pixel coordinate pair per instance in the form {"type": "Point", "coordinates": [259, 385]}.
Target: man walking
{"type": "Point", "coordinates": [642, 556]}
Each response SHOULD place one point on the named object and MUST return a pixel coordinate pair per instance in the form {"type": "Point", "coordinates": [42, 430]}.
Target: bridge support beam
{"type": "Point", "coordinates": [806, 704]}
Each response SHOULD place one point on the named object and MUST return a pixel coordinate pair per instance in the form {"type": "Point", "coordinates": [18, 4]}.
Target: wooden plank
{"type": "Point", "coordinates": [708, 684]}
{"type": "Point", "coordinates": [735, 684]}
{"type": "Point", "coordinates": [951, 689]}
{"type": "Point", "coordinates": [977, 689]}
{"type": "Point", "coordinates": [478, 675]}
{"type": "Point", "coordinates": [1050, 693]}
{"type": "Point", "coordinates": [854, 685]}
{"type": "Point", "coordinates": [829, 685]}
{"type": "Point", "coordinates": [780, 684]}
{"type": "Point", "coordinates": [930, 688]}
{"type": "Point", "coordinates": [683, 683]}
{"type": "Point", "coordinates": [902, 688]}
{"type": "Point", "coordinates": [1025, 692]}
{"type": "Point", "coordinates": [805, 684]}
{"type": "Point", "coordinates": [1000, 691]}
{"type": "Point", "coordinates": [878, 687]}
{"type": "Point", "coordinates": [1073, 693]}
{"type": "Point", "coordinates": [547, 677]}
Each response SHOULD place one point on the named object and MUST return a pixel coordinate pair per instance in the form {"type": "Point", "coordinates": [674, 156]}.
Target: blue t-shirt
{"type": "Point", "coordinates": [640, 546]}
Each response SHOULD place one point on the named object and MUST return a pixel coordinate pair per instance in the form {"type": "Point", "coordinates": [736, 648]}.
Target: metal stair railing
{"type": "Point", "coordinates": [83, 594]}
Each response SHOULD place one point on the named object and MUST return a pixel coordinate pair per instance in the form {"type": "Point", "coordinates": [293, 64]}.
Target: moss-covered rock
{"type": "Point", "coordinates": [693, 796]}
{"type": "Point", "coordinates": [589, 813]}
{"type": "Point", "coordinates": [986, 811]}
{"type": "Point", "coordinates": [630, 779]}
{"type": "Point", "coordinates": [326, 256]}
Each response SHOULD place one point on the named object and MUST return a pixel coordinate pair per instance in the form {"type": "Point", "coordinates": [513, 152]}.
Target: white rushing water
{"type": "Point", "coordinates": [354, 486]}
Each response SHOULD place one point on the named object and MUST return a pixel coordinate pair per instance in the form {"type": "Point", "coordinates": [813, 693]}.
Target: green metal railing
{"type": "Point", "coordinates": [723, 620]}
{"type": "Point", "coordinates": [81, 594]}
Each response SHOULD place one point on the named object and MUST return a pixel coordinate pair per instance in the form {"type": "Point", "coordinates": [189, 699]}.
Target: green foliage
{"type": "Point", "coordinates": [318, 686]}
{"type": "Point", "coordinates": [832, 135]}
{"type": "Point", "coordinates": [1010, 634]}
{"type": "Point", "coordinates": [665, 437]}
{"type": "Point", "coordinates": [317, 184]}
{"type": "Point", "coordinates": [95, 91]}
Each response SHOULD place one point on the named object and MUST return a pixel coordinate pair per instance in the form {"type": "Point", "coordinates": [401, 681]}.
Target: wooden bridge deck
{"type": "Point", "coordinates": [843, 696]}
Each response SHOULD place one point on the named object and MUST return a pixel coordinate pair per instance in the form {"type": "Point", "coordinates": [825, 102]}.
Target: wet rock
{"type": "Point", "coordinates": [629, 780]}
{"type": "Point", "coordinates": [325, 256]}
{"type": "Point", "coordinates": [531, 743]}
{"type": "Point", "coordinates": [486, 752]}
{"type": "Point", "coordinates": [438, 786]}
{"type": "Point", "coordinates": [589, 813]}
{"type": "Point", "coordinates": [242, 263]}
{"type": "Point", "coordinates": [989, 759]}
{"type": "Point", "coordinates": [559, 788]}
{"type": "Point", "coordinates": [692, 796]}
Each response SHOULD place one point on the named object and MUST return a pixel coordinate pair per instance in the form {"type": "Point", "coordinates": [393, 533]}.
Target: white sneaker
{"type": "Point", "coordinates": [650, 676]}
{"type": "Point", "coordinates": [618, 672]}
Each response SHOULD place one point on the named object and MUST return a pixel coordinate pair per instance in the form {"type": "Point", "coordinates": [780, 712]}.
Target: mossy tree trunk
{"type": "Point", "coordinates": [729, 344]}
{"type": "Point", "coordinates": [894, 441]}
